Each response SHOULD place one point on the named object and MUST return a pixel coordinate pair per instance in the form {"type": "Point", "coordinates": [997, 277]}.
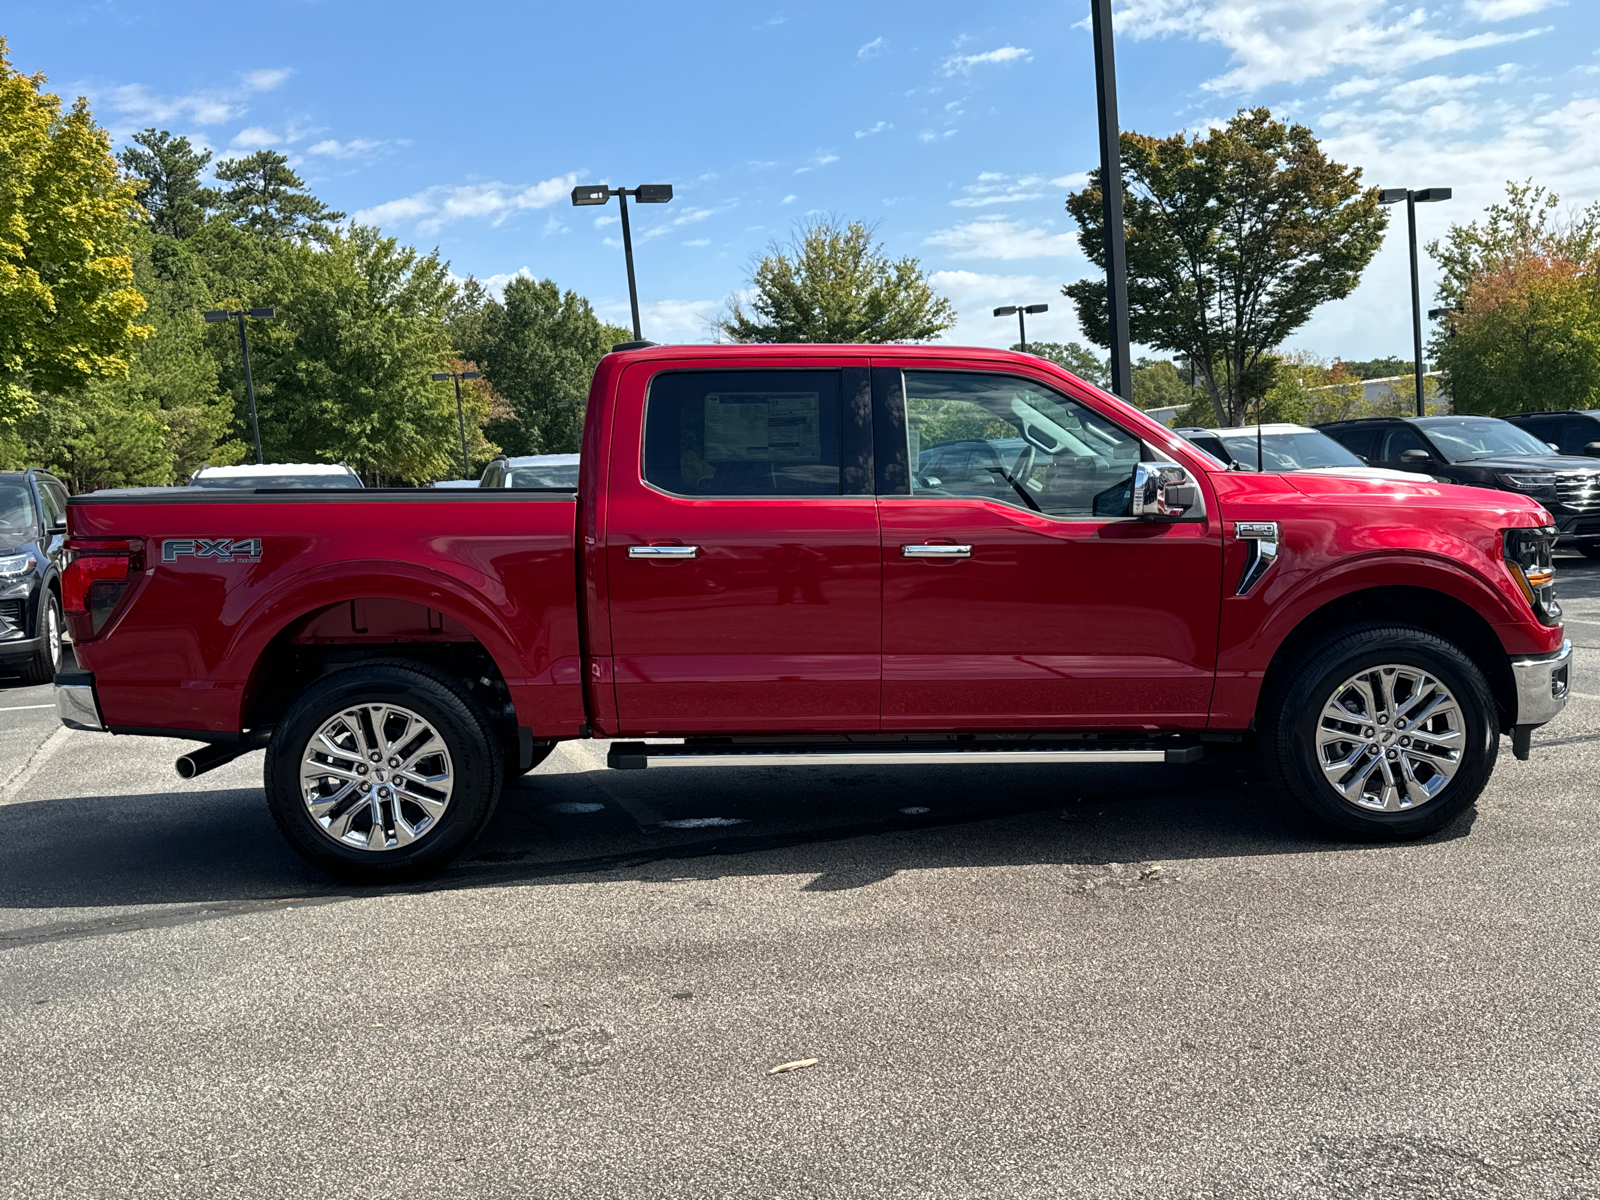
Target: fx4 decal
{"type": "Point", "coordinates": [219, 549]}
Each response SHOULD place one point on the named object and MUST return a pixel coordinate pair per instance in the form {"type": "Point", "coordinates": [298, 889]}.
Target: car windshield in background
{"type": "Point", "coordinates": [1289, 451]}
{"type": "Point", "coordinates": [16, 508]}
{"type": "Point", "coordinates": [1463, 438]}
{"type": "Point", "coordinates": [560, 475]}
{"type": "Point", "coordinates": [244, 482]}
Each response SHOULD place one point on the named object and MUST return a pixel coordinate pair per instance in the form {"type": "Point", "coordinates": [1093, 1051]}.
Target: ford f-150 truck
{"type": "Point", "coordinates": [761, 564]}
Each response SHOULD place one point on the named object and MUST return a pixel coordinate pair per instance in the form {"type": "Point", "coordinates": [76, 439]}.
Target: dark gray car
{"type": "Point", "coordinates": [33, 527]}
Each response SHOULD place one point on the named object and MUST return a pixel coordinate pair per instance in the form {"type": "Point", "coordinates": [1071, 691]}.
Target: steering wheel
{"type": "Point", "coordinates": [1023, 467]}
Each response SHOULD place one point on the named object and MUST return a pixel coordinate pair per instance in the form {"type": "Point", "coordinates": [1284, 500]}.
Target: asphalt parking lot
{"type": "Point", "coordinates": [1111, 982]}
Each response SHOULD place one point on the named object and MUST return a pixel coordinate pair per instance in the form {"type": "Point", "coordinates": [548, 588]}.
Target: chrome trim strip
{"type": "Point", "coordinates": [936, 551]}
{"type": "Point", "coordinates": [1543, 683]}
{"type": "Point", "coordinates": [1262, 539]}
{"type": "Point", "coordinates": [77, 707]}
{"type": "Point", "coordinates": [663, 551]}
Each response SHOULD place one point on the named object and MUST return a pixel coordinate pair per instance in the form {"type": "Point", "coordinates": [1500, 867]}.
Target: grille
{"type": "Point", "coordinates": [12, 618]}
{"type": "Point", "coordinates": [1579, 490]}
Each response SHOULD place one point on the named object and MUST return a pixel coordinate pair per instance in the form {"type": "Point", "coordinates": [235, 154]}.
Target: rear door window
{"type": "Point", "coordinates": [1400, 438]}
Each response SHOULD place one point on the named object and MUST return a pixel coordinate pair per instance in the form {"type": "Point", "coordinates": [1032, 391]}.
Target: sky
{"type": "Point", "coordinates": [956, 130]}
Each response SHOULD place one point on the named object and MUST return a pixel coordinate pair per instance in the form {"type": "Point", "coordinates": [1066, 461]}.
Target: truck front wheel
{"type": "Point", "coordinates": [1381, 732]}
{"type": "Point", "coordinates": [382, 772]}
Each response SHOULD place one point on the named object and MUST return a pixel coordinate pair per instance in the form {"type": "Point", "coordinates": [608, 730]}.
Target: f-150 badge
{"type": "Point", "coordinates": [217, 549]}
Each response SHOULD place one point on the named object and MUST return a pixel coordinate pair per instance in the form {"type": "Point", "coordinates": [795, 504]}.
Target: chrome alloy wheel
{"type": "Point", "coordinates": [376, 777]}
{"type": "Point", "coordinates": [1390, 739]}
{"type": "Point", "coordinates": [52, 633]}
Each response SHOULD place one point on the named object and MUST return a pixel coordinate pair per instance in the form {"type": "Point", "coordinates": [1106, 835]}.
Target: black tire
{"type": "Point", "coordinates": [514, 769]}
{"type": "Point", "coordinates": [1291, 714]}
{"type": "Point", "coordinates": [1588, 548]}
{"type": "Point", "coordinates": [475, 768]}
{"type": "Point", "coordinates": [46, 660]}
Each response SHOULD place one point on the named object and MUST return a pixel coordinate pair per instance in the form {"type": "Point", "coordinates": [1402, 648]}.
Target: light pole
{"type": "Point", "coordinates": [1412, 199]}
{"type": "Point", "coordinates": [239, 314]}
{"type": "Point", "coordinates": [458, 376]}
{"type": "Point", "coordinates": [645, 193]}
{"type": "Point", "coordinates": [1105, 78]}
{"type": "Point", "coordinates": [1005, 310]}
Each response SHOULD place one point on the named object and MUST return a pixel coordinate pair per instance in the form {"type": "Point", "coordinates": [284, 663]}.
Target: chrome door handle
{"type": "Point", "coordinates": [936, 551]}
{"type": "Point", "coordinates": [663, 551]}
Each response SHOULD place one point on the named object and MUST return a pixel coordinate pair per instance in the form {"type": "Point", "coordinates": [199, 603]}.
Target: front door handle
{"type": "Point", "coordinates": [936, 550]}
{"type": "Point", "coordinates": [663, 551]}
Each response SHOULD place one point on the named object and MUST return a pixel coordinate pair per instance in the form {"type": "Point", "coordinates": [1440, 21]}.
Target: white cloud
{"type": "Point", "coordinates": [699, 242]}
{"type": "Point", "coordinates": [873, 48]}
{"type": "Point", "coordinates": [1354, 87]}
{"type": "Point", "coordinates": [602, 221]}
{"type": "Point", "coordinates": [998, 237]}
{"type": "Point", "coordinates": [667, 321]}
{"type": "Point", "coordinates": [928, 135]}
{"type": "Point", "coordinates": [789, 199]}
{"type": "Point", "coordinates": [354, 148]}
{"type": "Point", "coordinates": [212, 106]}
{"type": "Point", "coordinates": [435, 207]}
{"type": "Point", "coordinates": [878, 128]}
{"type": "Point", "coordinates": [961, 64]}
{"type": "Point", "coordinates": [680, 218]}
{"type": "Point", "coordinates": [994, 187]}
{"type": "Point", "coordinates": [976, 296]}
{"type": "Point", "coordinates": [1504, 10]}
{"type": "Point", "coordinates": [820, 159]}
{"type": "Point", "coordinates": [1290, 41]}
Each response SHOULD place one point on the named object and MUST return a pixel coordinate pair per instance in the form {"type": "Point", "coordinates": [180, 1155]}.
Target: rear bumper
{"type": "Point", "coordinates": [76, 702]}
{"type": "Point", "coordinates": [1543, 681]}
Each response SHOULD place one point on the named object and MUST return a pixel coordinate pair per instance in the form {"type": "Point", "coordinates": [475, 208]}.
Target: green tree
{"type": "Point", "coordinates": [168, 170]}
{"type": "Point", "coordinates": [271, 201]}
{"type": "Point", "coordinates": [68, 308]}
{"type": "Point", "coordinates": [1157, 383]}
{"type": "Point", "coordinates": [1075, 357]}
{"type": "Point", "coordinates": [832, 284]}
{"type": "Point", "coordinates": [538, 347]}
{"type": "Point", "coordinates": [1233, 240]}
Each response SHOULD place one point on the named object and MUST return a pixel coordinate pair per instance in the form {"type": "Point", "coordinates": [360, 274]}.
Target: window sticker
{"type": "Point", "coordinates": [763, 427]}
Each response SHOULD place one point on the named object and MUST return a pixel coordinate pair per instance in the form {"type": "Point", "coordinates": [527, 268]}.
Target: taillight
{"type": "Point", "coordinates": [98, 571]}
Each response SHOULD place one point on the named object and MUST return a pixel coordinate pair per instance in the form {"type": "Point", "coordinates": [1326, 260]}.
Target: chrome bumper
{"type": "Point", "coordinates": [1542, 684]}
{"type": "Point", "coordinates": [76, 703]}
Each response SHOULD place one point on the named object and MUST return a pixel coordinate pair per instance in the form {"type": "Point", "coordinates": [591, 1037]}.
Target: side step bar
{"type": "Point", "coordinates": [633, 756]}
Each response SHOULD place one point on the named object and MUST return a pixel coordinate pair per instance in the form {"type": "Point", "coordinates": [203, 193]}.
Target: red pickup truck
{"type": "Point", "coordinates": [821, 554]}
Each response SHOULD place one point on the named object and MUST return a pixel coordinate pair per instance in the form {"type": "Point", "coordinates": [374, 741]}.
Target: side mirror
{"type": "Point", "coordinates": [1414, 456]}
{"type": "Point", "coordinates": [1554, 449]}
{"type": "Point", "coordinates": [1162, 491]}
{"type": "Point", "coordinates": [60, 526]}
{"type": "Point", "coordinates": [1592, 449]}
{"type": "Point", "coordinates": [1364, 460]}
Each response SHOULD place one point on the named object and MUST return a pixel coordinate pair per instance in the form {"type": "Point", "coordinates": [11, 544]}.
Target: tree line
{"type": "Point", "coordinates": [110, 376]}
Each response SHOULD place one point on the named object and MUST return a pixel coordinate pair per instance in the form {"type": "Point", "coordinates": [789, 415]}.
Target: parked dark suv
{"type": "Point", "coordinates": [1574, 432]}
{"type": "Point", "coordinates": [33, 528]}
{"type": "Point", "coordinates": [1485, 452]}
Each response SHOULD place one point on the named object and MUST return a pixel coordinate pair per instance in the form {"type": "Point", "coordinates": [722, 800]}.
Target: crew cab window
{"type": "Point", "coordinates": [744, 433]}
{"type": "Point", "coordinates": [52, 507]}
{"type": "Point", "coordinates": [1016, 442]}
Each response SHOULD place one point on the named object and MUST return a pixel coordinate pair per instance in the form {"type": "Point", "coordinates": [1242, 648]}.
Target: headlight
{"type": "Point", "coordinates": [1528, 483]}
{"type": "Point", "coordinates": [15, 564]}
{"type": "Point", "coordinates": [1530, 556]}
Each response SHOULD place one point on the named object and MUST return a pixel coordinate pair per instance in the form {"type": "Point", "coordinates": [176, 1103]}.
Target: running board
{"type": "Point", "coordinates": [634, 756]}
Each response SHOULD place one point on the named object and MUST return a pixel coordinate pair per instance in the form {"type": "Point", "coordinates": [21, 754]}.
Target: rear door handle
{"type": "Point", "coordinates": [663, 551]}
{"type": "Point", "coordinates": [936, 550]}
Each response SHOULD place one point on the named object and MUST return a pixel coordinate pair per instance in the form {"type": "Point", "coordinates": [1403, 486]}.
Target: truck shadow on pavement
{"type": "Point", "coordinates": [218, 849]}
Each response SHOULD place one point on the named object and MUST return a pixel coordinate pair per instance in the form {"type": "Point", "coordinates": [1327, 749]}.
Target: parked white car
{"type": "Point", "coordinates": [1286, 447]}
{"type": "Point", "coordinates": [277, 475]}
{"type": "Point", "coordinates": [532, 471]}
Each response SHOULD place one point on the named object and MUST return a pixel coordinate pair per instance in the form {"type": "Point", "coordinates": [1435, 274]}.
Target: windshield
{"type": "Point", "coordinates": [1479, 437]}
{"type": "Point", "coordinates": [16, 508]}
{"type": "Point", "coordinates": [1289, 451]}
{"type": "Point", "coordinates": [243, 482]}
{"type": "Point", "coordinates": [558, 475]}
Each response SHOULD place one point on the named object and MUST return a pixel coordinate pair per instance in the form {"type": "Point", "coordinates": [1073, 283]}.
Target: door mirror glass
{"type": "Point", "coordinates": [1162, 491]}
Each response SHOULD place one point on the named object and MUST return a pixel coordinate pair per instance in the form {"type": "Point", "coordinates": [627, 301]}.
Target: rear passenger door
{"type": "Point", "coordinates": [742, 555]}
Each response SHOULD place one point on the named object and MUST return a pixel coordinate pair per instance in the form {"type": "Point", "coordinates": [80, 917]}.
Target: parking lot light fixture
{"type": "Point", "coordinates": [458, 376]}
{"type": "Point", "coordinates": [1412, 199]}
{"type": "Point", "coordinates": [587, 194]}
{"type": "Point", "coordinates": [1005, 310]}
{"type": "Point", "coordinates": [239, 314]}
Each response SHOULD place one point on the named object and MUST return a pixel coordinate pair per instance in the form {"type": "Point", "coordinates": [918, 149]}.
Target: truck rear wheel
{"type": "Point", "coordinates": [382, 772]}
{"type": "Point", "coordinates": [1381, 732]}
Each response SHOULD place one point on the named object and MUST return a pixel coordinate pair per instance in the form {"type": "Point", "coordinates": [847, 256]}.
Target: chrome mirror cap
{"type": "Point", "coordinates": [1164, 491]}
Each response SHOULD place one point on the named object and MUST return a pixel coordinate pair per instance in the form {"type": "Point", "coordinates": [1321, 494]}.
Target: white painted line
{"type": "Point", "coordinates": [1585, 695]}
{"type": "Point", "coordinates": [20, 707]}
{"type": "Point", "coordinates": [34, 764]}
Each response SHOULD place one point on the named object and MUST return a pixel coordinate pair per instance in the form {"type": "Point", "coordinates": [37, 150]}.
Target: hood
{"type": "Point", "coordinates": [10, 542]}
{"type": "Point", "coordinates": [1418, 491]}
{"type": "Point", "coordinates": [1532, 462]}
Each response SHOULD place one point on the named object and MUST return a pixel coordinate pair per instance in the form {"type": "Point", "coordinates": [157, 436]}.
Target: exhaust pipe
{"type": "Point", "coordinates": [218, 754]}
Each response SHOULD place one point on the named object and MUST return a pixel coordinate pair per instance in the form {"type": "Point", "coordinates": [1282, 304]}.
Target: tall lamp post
{"type": "Point", "coordinates": [646, 193]}
{"type": "Point", "coordinates": [1412, 199]}
{"type": "Point", "coordinates": [458, 376]}
{"type": "Point", "coordinates": [1005, 310]}
{"type": "Point", "coordinates": [239, 314]}
{"type": "Point", "coordinates": [1105, 77]}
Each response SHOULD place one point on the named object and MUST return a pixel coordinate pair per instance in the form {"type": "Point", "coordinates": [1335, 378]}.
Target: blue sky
{"type": "Point", "coordinates": [956, 128]}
